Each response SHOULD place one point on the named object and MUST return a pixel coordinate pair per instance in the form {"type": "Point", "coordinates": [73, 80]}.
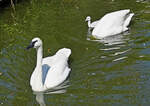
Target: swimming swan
{"type": "Point", "coordinates": [91, 25]}
{"type": "Point", "coordinates": [49, 71]}
{"type": "Point", "coordinates": [112, 23]}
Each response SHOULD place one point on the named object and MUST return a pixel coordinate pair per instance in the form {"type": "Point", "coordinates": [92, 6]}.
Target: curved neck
{"type": "Point", "coordinates": [39, 56]}
{"type": "Point", "coordinates": [37, 84]}
{"type": "Point", "coordinates": [89, 23]}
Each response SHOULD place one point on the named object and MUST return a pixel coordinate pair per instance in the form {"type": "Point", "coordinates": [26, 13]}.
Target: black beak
{"type": "Point", "coordinates": [30, 46]}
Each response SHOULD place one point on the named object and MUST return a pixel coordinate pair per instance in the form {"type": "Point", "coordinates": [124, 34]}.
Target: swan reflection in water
{"type": "Point", "coordinates": [56, 90]}
{"type": "Point", "coordinates": [110, 40]}
{"type": "Point", "coordinates": [116, 43]}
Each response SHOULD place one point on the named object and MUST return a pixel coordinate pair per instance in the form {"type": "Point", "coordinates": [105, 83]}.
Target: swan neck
{"type": "Point", "coordinates": [38, 85]}
{"type": "Point", "coordinates": [89, 23]}
{"type": "Point", "coordinates": [39, 56]}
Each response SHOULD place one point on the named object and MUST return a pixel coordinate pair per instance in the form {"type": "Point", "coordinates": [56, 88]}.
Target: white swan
{"type": "Point", "coordinates": [112, 23]}
{"type": "Point", "coordinates": [50, 71]}
{"type": "Point", "coordinates": [93, 24]}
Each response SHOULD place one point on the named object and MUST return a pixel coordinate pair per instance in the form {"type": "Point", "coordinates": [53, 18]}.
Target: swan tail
{"type": "Point", "coordinates": [127, 11]}
{"type": "Point", "coordinates": [128, 19]}
{"type": "Point", "coordinates": [123, 13]}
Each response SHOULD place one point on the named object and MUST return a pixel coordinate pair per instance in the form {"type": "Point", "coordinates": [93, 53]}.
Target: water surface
{"type": "Point", "coordinates": [113, 71]}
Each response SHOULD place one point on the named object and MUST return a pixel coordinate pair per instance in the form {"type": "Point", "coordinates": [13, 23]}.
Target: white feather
{"type": "Point", "coordinates": [112, 23]}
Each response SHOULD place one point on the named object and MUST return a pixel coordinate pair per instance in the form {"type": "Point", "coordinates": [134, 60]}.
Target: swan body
{"type": "Point", "coordinates": [112, 23]}
{"type": "Point", "coordinates": [93, 24]}
{"type": "Point", "coordinates": [49, 71]}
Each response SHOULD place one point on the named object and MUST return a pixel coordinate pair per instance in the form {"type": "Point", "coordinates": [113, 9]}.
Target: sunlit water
{"type": "Point", "coordinates": [111, 71]}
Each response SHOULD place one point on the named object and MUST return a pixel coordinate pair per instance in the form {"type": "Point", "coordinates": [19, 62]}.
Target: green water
{"type": "Point", "coordinates": [115, 71]}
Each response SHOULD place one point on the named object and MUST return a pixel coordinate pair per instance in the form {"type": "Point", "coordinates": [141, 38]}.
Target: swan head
{"type": "Point", "coordinates": [64, 51]}
{"type": "Point", "coordinates": [88, 18]}
{"type": "Point", "coordinates": [35, 43]}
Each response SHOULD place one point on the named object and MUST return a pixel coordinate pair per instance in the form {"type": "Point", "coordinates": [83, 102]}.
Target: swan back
{"type": "Point", "coordinates": [111, 24]}
{"type": "Point", "coordinates": [64, 52]}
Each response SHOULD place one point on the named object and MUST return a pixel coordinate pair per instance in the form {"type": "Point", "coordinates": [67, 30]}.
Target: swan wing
{"type": "Point", "coordinates": [57, 74]}
{"type": "Point", "coordinates": [127, 21]}
{"type": "Point", "coordinates": [59, 69]}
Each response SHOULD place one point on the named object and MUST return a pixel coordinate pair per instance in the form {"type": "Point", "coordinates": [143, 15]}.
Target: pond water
{"type": "Point", "coordinates": [113, 71]}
